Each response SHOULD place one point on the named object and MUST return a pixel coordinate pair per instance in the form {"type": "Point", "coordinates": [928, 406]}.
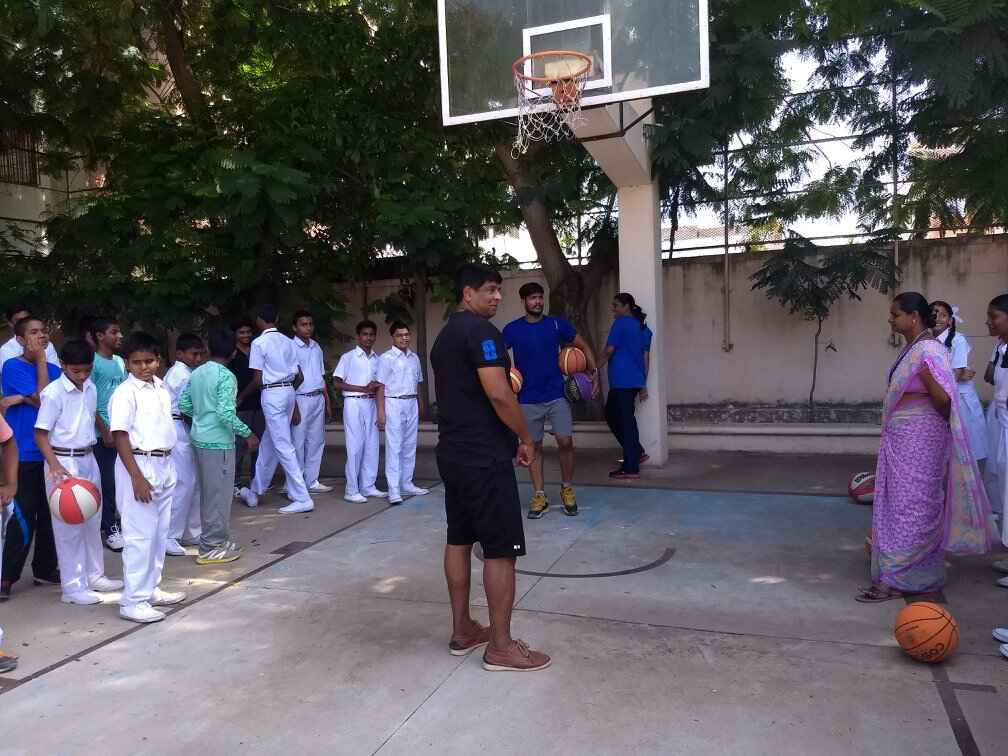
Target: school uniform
{"type": "Point", "coordinates": [969, 400]}
{"type": "Point", "coordinates": [273, 354]}
{"type": "Point", "coordinates": [143, 410]}
{"type": "Point", "coordinates": [67, 414]}
{"type": "Point", "coordinates": [309, 435]}
{"type": "Point", "coordinates": [185, 509]}
{"type": "Point", "coordinates": [360, 422]}
{"type": "Point", "coordinates": [996, 469]}
{"type": "Point", "coordinates": [400, 374]}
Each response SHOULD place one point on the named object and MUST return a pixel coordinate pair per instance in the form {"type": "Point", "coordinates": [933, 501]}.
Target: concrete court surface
{"type": "Point", "coordinates": [680, 622]}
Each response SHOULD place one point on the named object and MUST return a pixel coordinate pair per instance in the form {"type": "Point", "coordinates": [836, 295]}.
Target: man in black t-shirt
{"type": "Point", "coordinates": [481, 429]}
{"type": "Point", "coordinates": [250, 409]}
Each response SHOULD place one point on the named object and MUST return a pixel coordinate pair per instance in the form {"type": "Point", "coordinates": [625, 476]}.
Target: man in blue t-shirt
{"type": "Point", "coordinates": [535, 341]}
{"type": "Point", "coordinates": [24, 378]}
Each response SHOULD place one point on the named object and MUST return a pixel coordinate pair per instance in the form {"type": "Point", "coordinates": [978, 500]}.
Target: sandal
{"type": "Point", "coordinates": [876, 595]}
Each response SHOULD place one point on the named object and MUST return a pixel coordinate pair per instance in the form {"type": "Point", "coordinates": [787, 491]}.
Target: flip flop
{"type": "Point", "coordinates": [877, 595]}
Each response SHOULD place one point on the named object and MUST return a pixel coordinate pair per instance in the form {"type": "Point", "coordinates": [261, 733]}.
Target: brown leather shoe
{"type": "Point", "coordinates": [465, 645]}
{"type": "Point", "coordinates": [518, 658]}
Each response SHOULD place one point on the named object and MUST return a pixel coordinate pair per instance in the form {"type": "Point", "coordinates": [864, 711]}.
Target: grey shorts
{"type": "Point", "coordinates": [558, 412]}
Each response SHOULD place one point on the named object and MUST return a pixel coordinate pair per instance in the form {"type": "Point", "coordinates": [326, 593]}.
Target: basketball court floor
{"type": "Point", "coordinates": [680, 622]}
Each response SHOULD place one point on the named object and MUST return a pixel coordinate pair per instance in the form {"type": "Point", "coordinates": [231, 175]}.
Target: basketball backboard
{"type": "Point", "coordinates": [639, 49]}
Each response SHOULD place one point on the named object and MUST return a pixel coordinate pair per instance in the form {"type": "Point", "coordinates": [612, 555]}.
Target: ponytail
{"type": "Point", "coordinates": [627, 300]}
{"type": "Point", "coordinates": [952, 321]}
{"type": "Point", "coordinates": [638, 313]}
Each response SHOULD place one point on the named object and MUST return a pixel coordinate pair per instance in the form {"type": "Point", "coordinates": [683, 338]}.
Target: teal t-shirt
{"type": "Point", "coordinates": [106, 376]}
{"type": "Point", "coordinates": [209, 399]}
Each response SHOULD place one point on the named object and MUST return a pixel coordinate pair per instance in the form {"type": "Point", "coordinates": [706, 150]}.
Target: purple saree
{"type": "Point", "coordinates": [929, 498]}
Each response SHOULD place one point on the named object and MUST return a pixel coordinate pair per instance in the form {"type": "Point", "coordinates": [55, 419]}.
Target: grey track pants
{"type": "Point", "coordinates": [216, 473]}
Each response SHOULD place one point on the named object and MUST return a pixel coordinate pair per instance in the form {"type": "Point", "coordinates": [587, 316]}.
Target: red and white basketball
{"type": "Point", "coordinates": [516, 380]}
{"type": "Point", "coordinates": [862, 487]}
{"type": "Point", "coordinates": [74, 500]}
{"type": "Point", "coordinates": [572, 360]}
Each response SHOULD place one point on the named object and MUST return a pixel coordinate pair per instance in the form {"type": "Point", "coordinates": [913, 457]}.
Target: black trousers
{"type": "Point", "coordinates": [256, 420]}
{"type": "Point", "coordinates": [105, 459]}
{"type": "Point", "coordinates": [29, 519]}
{"type": "Point", "coordinates": [619, 410]}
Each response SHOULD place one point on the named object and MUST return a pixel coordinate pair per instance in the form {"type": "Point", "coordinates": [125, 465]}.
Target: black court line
{"type": "Point", "coordinates": [291, 548]}
{"type": "Point", "coordinates": [7, 684]}
{"type": "Point", "coordinates": [632, 571]}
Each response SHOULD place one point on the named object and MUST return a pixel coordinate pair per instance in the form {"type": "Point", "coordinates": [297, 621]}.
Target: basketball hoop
{"type": "Point", "coordinates": [548, 103]}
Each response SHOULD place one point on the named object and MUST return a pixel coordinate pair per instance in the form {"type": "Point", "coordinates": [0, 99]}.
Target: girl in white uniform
{"type": "Point", "coordinates": [946, 319]}
{"type": "Point", "coordinates": [996, 472]}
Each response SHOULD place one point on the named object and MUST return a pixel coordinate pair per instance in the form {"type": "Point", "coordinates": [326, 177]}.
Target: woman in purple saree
{"type": "Point", "coordinates": [929, 498]}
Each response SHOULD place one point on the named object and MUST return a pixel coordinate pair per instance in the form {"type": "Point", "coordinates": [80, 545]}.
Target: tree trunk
{"type": "Point", "coordinates": [172, 23]}
{"type": "Point", "coordinates": [815, 372]}
{"type": "Point", "coordinates": [419, 312]}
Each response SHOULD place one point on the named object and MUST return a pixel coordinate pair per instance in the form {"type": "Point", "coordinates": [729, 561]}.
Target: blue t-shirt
{"type": "Point", "coordinates": [536, 347]}
{"type": "Point", "coordinates": [19, 377]}
{"type": "Point", "coordinates": [626, 366]}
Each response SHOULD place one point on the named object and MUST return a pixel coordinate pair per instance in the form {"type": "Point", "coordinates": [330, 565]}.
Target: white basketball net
{"type": "Point", "coordinates": [547, 109]}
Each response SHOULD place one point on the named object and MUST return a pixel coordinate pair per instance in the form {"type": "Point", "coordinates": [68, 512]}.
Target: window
{"type": "Point", "coordinates": [18, 158]}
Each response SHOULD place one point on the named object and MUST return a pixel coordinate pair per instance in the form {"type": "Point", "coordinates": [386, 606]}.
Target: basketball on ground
{"type": "Point", "coordinates": [862, 487]}
{"type": "Point", "coordinates": [572, 360]}
{"type": "Point", "coordinates": [74, 500]}
{"type": "Point", "coordinates": [926, 631]}
{"type": "Point", "coordinates": [516, 380]}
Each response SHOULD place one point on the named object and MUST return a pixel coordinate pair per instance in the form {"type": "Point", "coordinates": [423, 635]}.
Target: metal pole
{"type": "Point", "coordinates": [726, 342]}
{"type": "Point", "coordinates": [894, 104]}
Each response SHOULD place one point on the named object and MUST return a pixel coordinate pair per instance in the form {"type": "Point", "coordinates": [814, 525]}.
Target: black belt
{"type": "Point", "coordinates": [176, 417]}
{"type": "Point", "coordinates": [316, 392]}
{"type": "Point", "coordinates": [61, 452]}
{"type": "Point", "coordinates": [358, 396]}
{"type": "Point", "coordinates": [278, 384]}
{"type": "Point", "coordinates": [153, 453]}
{"type": "Point", "coordinates": [404, 396]}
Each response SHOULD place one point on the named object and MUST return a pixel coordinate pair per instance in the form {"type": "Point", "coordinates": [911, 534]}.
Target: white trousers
{"type": "Point", "coordinates": [402, 419]}
{"type": "Point", "coordinates": [78, 547]}
{"type": "Point", "coordinates": [309, 436]}
{"type": "Point", "coordinates": [277, 446]}
{"type": "Point", "coordinates": [360, 428]}
{"type": "Point", "coordinates": [185, 508]}
{"type": "Point", "coordinates": [144, 526]}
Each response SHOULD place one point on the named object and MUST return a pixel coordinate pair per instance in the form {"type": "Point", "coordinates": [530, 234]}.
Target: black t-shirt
{"type": "Point", "coordinates": [239, 365]}
{"type": "Point", "coordinates": [469, 431]}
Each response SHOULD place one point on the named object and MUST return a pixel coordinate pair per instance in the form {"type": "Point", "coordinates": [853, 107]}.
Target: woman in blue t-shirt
{"type": "Point", "coordinates": [627, 352]}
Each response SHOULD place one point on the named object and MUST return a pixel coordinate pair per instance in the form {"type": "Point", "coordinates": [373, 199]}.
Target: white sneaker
{"type": "Point", "coordinates": [84, 598]}
{"type": "Point", "coordinates": [375, 493]}
{"type": "Point", "coordinates": [250, 499]}
{"type": "Point", "coordinates": [317, 487]}
{"type": "Point", "coordinates": [166, 598]}
{"type": "Point", "coordinates": [355, 498]}
{"type": "Point", "coordinates": [114, 540]}
{"type": "Point", "coordinates": [1003, 648]}
{"type": "Point", "coordinates": [395, 499]}
{"type": "Point", "coordinates": [174, 548]}
{"type": "Point", "coordinates": [297, 507]}
{"type": "Point", "coordinates": [1003, 582]}
{"type": "Point", "coordinates": [1000, 634]}
{"type": "Point", "coordinates": [143, 613]}
{"type": "Point", "coordinates": [237, 492]}
{"type": "Point", "coordinates": [106, 585]}
{"type": "Point", "coordinates": [415, 490]}
{"type": "Point", "coordinates": [1001, 565]}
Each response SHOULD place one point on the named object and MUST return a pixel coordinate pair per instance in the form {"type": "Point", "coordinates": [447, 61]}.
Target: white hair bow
{"type": "Point", "coordinates": [956, 317]}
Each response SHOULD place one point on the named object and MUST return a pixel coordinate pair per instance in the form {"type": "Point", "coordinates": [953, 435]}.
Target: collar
{"type": "Point", "coordinates": [303, 344]}
{"type": "Point", "coordinates": [11, 340]}
{"type": "Point", "coordinates": [68, 385]}
{"type": "Point", "coordinates": [143, 384]}
{"type": "Point", "coordinates": [400, 354]}
{"type": "Point", "coordinates": [941, 336]}
{"type": "Point", "coordinates": [269, 330]}
{"type": "Point", "coordinates": [358, 350]}
{"type": "Point", "coordinates": [181, 366]}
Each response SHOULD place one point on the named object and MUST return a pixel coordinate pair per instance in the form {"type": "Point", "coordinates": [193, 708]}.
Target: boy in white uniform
{"type": "Point", "coordinates": [312, 402]}
{"type": "Point", "coordinates": [141, 423]}
{"type": "Point", "coordinates": [65, 434]}
{"type": "Point", "coordinates": [277, 375]}
{"type": "Point", "coordinates": [184, 526]}
{"type": "Point", "coordinates": [355, 377]}
{"type": "Point", "coordinates": [399, 374]}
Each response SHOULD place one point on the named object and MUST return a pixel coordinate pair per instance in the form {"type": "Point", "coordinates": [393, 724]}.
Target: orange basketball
{"type": "Point", "coordinates": [926, 631]}
{"type": "Point", "coordinates": [572, 360]}
{"type": "Point", "coordinates": [516, 380]}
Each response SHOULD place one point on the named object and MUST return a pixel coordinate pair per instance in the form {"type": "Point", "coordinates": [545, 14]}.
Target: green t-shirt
{"type": "Point", "coordinates": [106, 376]}
{"type": "Point", "coordinates": [209, 399]}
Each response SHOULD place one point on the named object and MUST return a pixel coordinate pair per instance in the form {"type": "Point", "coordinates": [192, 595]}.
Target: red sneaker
{"type": "Point", "coordinates": [518, 658]}
{"type": "Point", "coordinates": [466, 645]}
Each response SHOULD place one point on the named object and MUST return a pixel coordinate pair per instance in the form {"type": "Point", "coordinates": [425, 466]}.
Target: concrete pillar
{"type": "Point", "coordinates": [640, 274]}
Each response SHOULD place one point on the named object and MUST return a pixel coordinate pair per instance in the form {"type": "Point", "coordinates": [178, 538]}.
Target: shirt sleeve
{"type": "Point", "coordinates": [121, 410]}
{"type": "Point", "coordinates": [224, 407]}
{"type": "Point", "coordinates": [566, 330]}
{"type": "Point", "coordinates": [960, 352]}
{"type": "Point", "coordinates": [185, 405]}
{"type": "Point", "coordinates": [17, 380]}
{"type": "Point", "coordinates": [508, 334]}
{"type": "Point", "coordinates": [340, 370]}
{"type": "Point", "coordinates": [382, 370]}
{"type": "Point", "coordinates": [418, 368]}
{"type": "Point", "coordinates": [485, 346]}
{"type": "Point", "coordinates": [256, 358]}
{"type": "Point", "coordinates": [647, 339]}
{"type": "Point", "coordinates": [615, 338]}
{"type": "Point", "coordinates": [49, 410]}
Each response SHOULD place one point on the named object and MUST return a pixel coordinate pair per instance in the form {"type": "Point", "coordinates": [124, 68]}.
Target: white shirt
{"type": "Point", "coordinates": [309, 359]}
{"type": "Point", "coordinates": [357, 367]}
{"type": "Point", "coordinates": [68, 413]}
{"type": "Point", "coordinates": [144, 411]}
{"type": "Point", "coordinates": [273, 354]}
{"type": "Point", "coordinates": [399, 372]}
{"type": "Point", "coordinates": [12, 349]}
{"type": "Point", "coordinates": [175, 380]}
{"type": "Point", "coordinates": [959, 351]}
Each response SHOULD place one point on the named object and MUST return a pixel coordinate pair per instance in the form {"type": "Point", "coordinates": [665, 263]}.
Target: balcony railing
{"type": "Point", "coordinates": [19, 158]}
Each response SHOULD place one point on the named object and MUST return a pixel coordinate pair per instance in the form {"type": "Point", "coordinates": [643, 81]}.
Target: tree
{"type": "Point", "coordinates": [808, 281]}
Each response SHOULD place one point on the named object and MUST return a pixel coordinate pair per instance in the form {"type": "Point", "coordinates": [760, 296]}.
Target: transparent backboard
{"type": "Point", "coordinates": [639, 49]}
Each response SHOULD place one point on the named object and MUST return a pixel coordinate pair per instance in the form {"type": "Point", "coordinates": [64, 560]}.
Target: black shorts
{"type": "Point", "coordinates": [482, 504]}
